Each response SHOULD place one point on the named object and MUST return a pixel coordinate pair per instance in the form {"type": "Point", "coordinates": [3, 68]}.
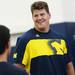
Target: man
{"type": "Point", "coordinates": [41, 50]}
{"type": "Point", "coordinates": [5, 67]}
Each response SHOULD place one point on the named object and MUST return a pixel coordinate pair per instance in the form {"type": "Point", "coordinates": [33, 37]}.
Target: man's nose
{"type": "Point", "coordinates": [39, 17]}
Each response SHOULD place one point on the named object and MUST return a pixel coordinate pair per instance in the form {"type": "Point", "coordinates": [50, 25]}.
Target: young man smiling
{"type": "Point", "coordinates": [41, 50]}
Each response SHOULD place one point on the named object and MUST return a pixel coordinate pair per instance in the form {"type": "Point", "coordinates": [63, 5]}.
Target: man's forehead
{"type": "Point", "coordinates": [39, 11]}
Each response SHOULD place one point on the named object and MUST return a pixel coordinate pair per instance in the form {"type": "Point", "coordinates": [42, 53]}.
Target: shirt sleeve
{"type": "Point", "coordinates": [67, 57]}
{"type": "Point", "coordinates": [20, 49]}
{"type": "Point", "coordinates": [26, 56]}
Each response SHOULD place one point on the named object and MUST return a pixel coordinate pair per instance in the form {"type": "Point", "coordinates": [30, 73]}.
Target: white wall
{"type": "Point", "coordinates": [12, 14]}
{"type": "Point", "coordinates": [14, 38]}
{"type": "Point", "coordinates": [16, 14]}
{"type": "Point", "coordinates": [69, 10]}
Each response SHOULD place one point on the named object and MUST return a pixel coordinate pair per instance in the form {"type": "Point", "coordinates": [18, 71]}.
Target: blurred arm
{"type": "Point", "coordinates": [70, 69]}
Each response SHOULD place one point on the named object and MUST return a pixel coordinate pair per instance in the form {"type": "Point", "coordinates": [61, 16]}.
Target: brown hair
{"type": "Point", "coordinates": [39, 5]}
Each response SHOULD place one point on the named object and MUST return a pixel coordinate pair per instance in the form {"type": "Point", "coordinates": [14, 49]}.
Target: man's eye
{"type": "Point", "coordinates": [35, 15]}
{"type": "Point", "coordinates": [42, 14]}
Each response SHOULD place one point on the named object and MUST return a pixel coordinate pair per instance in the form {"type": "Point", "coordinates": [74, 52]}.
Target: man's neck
{"type": "Point", "coordinates": [3, 58]}
{"type": "Point", "coordinates": [43, 30]}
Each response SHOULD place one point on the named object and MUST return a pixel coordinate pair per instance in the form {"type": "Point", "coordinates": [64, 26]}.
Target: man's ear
{"type": "Point", "coordinates": [49, 15]}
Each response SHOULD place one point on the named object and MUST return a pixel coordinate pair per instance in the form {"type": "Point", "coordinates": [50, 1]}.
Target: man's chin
{"type": "Point", "coordinates": [42, 29]}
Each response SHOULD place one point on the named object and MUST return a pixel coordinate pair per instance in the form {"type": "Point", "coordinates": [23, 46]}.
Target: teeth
{"type": "Point", "coordinates": [41, 21]}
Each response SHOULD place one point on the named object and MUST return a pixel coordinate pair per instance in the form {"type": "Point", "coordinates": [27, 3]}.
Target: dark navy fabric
{"type": "Point", "coordinates": [71, 36]}
{"type": "Point", "coordinates": [9, 69]}
{"type": "Point", "coordinates": [44, 65]}
{"type": "Point", "coordinates": [68, 30]}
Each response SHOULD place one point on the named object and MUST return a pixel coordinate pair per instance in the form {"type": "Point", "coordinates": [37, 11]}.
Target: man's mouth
{"type": "Point", "coordinates": [41, 21]}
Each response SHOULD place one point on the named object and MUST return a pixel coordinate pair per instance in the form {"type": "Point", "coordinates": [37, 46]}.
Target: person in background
{"type": "Point", "coordinates": [5, 67]}
{"type": "Point", "coordinates": [41, 50]}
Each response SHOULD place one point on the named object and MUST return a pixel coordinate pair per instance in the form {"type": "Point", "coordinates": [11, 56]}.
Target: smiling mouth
{"type": "Point", "coordinates": [41, 21]}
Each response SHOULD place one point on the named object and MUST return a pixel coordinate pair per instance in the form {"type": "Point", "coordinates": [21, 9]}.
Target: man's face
{"type": "Point", "coordinates": [41, 19]}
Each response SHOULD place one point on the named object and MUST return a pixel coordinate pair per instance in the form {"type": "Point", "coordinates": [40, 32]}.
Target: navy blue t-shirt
{"type": "Point", "coordinates": [9, 69]}
{"type": "Point", "coordinates": [43, 53]}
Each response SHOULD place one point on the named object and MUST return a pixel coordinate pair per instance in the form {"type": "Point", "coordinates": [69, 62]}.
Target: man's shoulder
{"type": "Point", "coordinates": [57, 35]}
{"type": "Point", "coordinates": [11, 69]}
{"type": "Point", "coordinates": [24, 38]}
{"type": "Point", "coordinates": [17, 70]}
{"type": "Point", "coordinates": [27, 34]}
